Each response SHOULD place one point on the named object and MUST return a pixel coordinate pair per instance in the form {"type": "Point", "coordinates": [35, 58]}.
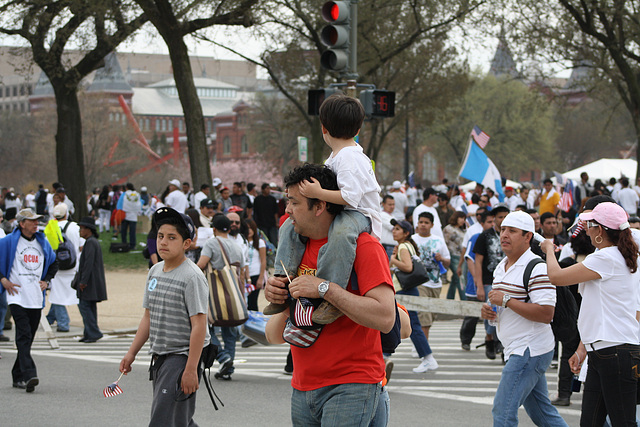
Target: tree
{"type": "Point", "coordinates": [602, 35]}
{"type": "Point", "coordinates": [173, 21]}
{"type": "Point", "coordinates": [519, 121]}
{"type": "Point", "coordinates": [49, 26]}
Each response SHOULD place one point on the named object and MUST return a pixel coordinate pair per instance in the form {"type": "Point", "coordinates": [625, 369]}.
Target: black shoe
{"type": "Point", "coordinates": [247, 342]}
{"type": "Point", "coordinates": [561, 401]}
{"type": "Point", "coordinates": [219, 376]}
{"type": "Point", "coordinates": [4, 338]}
{"type": "Point", "coordinates": [288, 370]}
{"type": "Point", "coordinates": [490, 350]}
{"type": "Point", "coordinates": [31, 384]}
{"type": "Point", "coordinates": [62, 330]}
{"type": "Point", "coordinates": [7, 326]}
{"type": "Point", "coordinates": [20, 384]}
{"type": "Point", "coordinates": [466, 347]}
{"type": "Point", "coordinates": [225, 367]}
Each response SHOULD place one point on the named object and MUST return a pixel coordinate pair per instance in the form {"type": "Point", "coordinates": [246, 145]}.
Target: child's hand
{"type": "Point", "coordinates": [310, 190]}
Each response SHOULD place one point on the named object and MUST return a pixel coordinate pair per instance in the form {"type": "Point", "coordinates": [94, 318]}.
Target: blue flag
{"type": "Point", "coordinates": [479, 168]}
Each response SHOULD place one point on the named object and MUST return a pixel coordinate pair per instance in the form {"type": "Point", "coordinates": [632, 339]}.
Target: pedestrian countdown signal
{"type": "Point", "coordinates": [378, 103]}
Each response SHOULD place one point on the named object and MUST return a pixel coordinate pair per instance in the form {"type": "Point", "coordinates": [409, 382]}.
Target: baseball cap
{"type": "Point", "coordinates": [396, 185]}
{"type": "Point", "coordinates": [27, 214]}
{"type": "Point", "coordinates": [60, 210]}
{"type": "Point", "coordinates": [221, 222]}
{"type": "Point", "coordinates": [235, 209]}
{"type": "Point", "coordinates": [216, 181]}
{"type": "Point", "coordinates": [405, 225]}
{"type": "Point", "coordinates": [520, 220]}
{"type": "Point", "coordinates": [500, 207]}
{"type": "Point", "coordinates": [207, 203]}
{"type": "Point", "coordinates": [165, 213]}
{"type": "Point", "coordinates": [609, 215]}
{"type": "Point", "coordinates": [143, 188]}
{"type": "Point", "coordinates": [175, 182]}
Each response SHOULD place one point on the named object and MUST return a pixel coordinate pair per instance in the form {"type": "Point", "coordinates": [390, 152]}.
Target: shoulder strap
{"type": "Point", "coordinates": [224, 253]}
{"type": "Point", "coordinates": [527, 275]}
{"type": "Point", "coordinates": [64, 230]}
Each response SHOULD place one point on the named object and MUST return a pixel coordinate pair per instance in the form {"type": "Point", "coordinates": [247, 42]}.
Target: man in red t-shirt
{"type": "Point", "coordinates": [336, 380]}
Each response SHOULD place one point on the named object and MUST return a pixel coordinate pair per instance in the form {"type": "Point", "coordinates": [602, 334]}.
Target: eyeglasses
{"type": "Point", "coordinates": [235, 222]}
{"type": "Point", "coordinates": [591, 224]}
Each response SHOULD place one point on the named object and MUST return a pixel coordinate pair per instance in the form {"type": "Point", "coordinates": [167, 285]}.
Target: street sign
{"type": "Point", "coordinates": [302, 149]}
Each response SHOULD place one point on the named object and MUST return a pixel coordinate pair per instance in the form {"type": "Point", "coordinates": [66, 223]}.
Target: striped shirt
{"type": "Point", "coordinates": [517, 333]}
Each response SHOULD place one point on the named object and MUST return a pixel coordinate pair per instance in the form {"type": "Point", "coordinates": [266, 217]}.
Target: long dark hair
{"type": "Point", "coordinates": [410, 240]}
{"type": "Point", "coordinates": [256, 235]}
{"type": "Point", "coordinates": [626, 245]}
{"type": "Point", "coordinates": [104, 194]}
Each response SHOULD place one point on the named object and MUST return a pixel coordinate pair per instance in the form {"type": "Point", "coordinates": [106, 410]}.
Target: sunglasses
{"type": "Point", "coordinates": [235, 222]}
{"type": "Point", "coordinates": [591, 224]}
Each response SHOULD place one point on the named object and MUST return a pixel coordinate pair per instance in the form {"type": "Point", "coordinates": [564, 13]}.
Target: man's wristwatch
{"type": "Point", "coordinates": [505, 300]}
{"type": "Point", "coordinates": [323, 287]}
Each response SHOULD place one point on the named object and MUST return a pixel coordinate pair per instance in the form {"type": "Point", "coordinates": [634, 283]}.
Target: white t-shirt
{"type": "Point", "coordinates": [412, 196]}
{"type": "Point", "coordinates": [605, 313]}
{"type": "Point", "coordinates": [204, 234]}
{"type": "Point", "coordinates": [566, 251]}
{"type": "Point", "coordinates": [429, 246]}
{"type": "Point", "coordinates": [254, 258]}
{"type": "Point", "coordinates": [437, 225]}
{"type": "Point", "coordinates": [456, 202]}
{"type": "Point", "coordinates": [513, 202]}
{"type": "Point", "coordinates": [30, 201]}
{"type": "Point", "coordinates": [2, 233]}
{"type": "Point", "coordinates": [26, 271]}
{"type": "Point", "coordinates": [471, 231]}
{"type": "Point", "coordinates": [358, 184]}
{"type": "Point", "coordinates": [387, 235]}
{"type": "Point", "coordinates": [244, 245]}
{"type": "Point", "coordinates": [401, 202]}
{"type": "Point", "coordinates": [517, 333]}
{"type": "Point", "coordinates": [628, 199]}
{"type": "Point", "coordinates": [177, 200]}
{"type": "Point", "coordinates": [197, 198]}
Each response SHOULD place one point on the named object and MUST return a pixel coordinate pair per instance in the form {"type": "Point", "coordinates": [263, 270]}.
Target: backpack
{"type": "Point", "coordinates": [564, 323]}
{"type": "Point", "coordinates": [66, 253]}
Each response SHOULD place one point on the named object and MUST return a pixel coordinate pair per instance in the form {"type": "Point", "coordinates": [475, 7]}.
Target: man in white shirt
{"type": "Point", "coordinates": [205, 189]}
{"type": "Point", "coordinates": [132, 207]}
{"type": "Point", "coordinates": [412, 195]}
{"type": "Point", "coordinates": [510, 198]}
{"type": "Point", "coordinates": [430, 198]}
{"type": "Point", "coordinates": [523, 327]}
{"type": "Point", "coordinates": [386, 215]}
{"type": "Point", "coordinates": [627, 198]}
{"type": "Point", "coordinates": [402, 203]}
{"type": "Point", "coordinates": [176, 198]}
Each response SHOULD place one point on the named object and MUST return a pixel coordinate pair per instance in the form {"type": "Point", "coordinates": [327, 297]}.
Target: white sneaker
{"type": "Point", "coordinates": [428, 364]}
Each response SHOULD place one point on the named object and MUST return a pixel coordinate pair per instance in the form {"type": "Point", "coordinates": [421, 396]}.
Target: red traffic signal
{"type": "Point", "coordinates": [335, 35]}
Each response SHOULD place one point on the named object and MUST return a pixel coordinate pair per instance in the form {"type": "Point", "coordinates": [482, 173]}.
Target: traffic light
{"type": "Point", "coordinates": [336, 35]}
{"type": "Point", "coordinates": [378, 103]}
{"type": "Point", "coordinates": [316, 98]}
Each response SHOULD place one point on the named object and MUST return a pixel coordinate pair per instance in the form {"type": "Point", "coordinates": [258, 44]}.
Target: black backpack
{"type": "Point", "coordinates": [66, 253]}
{"type": "Point", "coordinates": [564, 323]}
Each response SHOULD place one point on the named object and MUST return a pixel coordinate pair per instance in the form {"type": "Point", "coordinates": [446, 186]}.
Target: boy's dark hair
{"type": "Point", "coordinates": [547, 181]}
{"type": "Point", "coordinates": [250, 186]}
{"type": "Point", "coordinates": [342, 116]}
{"type": "Point", "coordinates": [545, 216]}
{"type": "Point", "coordinates": [264, 185]}
{"type": "Point", "coordinates": [204, 187]}
{"type": "Point", "coordinates": [323, 174]}
{"type": "Point", "coordinates": [387, 197]}
{"type": "Point", "coordinates": [428, 192]}
{"type": "Point", "coordinates": [427, 215]}
{"type": "Point", "coordinates": [130, 186]}
{"type": "Point", "coordinates": [486, 214]}
{"type": "Point", "coordinates": [179, 225]}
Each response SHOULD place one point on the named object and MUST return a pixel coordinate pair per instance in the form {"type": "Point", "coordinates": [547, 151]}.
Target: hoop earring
{"type": "Point", "coordinates": [598, 241]}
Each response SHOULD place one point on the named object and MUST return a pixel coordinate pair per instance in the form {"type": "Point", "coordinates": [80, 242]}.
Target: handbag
{"type": "Point", "coordinates": [417, 276]}
{"type": "Point", "coordinates": [227, 306]}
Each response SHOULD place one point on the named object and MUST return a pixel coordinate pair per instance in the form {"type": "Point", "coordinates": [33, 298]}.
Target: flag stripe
{"type": "Point", "coordinates": [481, 138]}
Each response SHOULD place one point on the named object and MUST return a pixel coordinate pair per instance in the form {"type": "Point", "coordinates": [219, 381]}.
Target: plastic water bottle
{"type": "Point", "coordinates": [494, 322]}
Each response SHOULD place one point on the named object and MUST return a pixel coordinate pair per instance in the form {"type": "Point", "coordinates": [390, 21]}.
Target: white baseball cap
{"type": "Point", "coordinates": [175, 182]}
{"type": "Point", "coordinates": [216, 181]}
{"type": "Point", "coordinates": [520, 220]}
{"type": "Point", "coordinates": [396, 185]}
{"type": "Point", "coordinates": [60, 210]}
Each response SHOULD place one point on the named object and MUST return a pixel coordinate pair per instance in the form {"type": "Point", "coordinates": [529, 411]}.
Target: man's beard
{"type": "Point", "coordinates": [234, 231]}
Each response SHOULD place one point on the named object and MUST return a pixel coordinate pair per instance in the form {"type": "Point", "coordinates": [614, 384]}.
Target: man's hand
{"type": "Point", "coordinates": [438, 256]}
{"type": "Point", "coordinates": [189, 383]}
{"type": "Point", "coordinates": [43, 285]}
{"type": "Point", "coordinates": [495, 297]}
{"type": "Point", "coordinates": [275, 290]}
{"type": "Point", "coordinates": [487, 313]}
{"type": "Point", "coordinates": [82, 286]}
{"type": "Point", "coordinates": [125, 363]}
{"type": "Point", "coordinates": [12, 288]}
{"type": "Point", "coordinates": [480, 293]}
{"type": "Point", "coordinates": [310, 190]}
{"type": "Point", "coordinates": [305, 286]}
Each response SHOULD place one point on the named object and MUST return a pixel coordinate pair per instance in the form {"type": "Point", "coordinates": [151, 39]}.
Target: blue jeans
{"type": "Point", "coordinates": [335, 405]}
{"type": "Point", "coordinates": [523, 383]}
{"type": "Point", "coordinates": [381, 418]}
{"type": "Point", "coordinates": [455, 284]}
{"type": "Point", "coordinates": [229, 337]}
{"type": "Point", "coordinates": [131, 225]}
{"type": "Point", "coordinates": [58, 313]}
{"type": "Point", "coordinates": [418, 338]}
{"type": "Point", "coordinates": [335, 259]}
{"type": "Point", "coordinates": [89, 313]}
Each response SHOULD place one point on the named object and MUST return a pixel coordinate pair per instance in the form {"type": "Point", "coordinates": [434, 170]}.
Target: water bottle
{"type": "Point", "coordinates": [494, 322]}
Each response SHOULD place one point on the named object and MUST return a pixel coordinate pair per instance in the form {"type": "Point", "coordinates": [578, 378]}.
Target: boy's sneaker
{"type": "Point", "coordinates": [274, 309]}
{"type": "Point", "coordinates": [219, 376]}
{"type": "Point", "coordinates": [225, 366]}
{"type": "Point", "coordinates": [428, 364]}
{"type": "Point", "coordinates": [325, 313]}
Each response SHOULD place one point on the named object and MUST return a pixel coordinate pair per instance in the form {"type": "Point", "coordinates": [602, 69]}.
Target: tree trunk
{"type": "Point", "coordinates": [69, 151]}
{"type": "Point", "coordinates": [193, 116]}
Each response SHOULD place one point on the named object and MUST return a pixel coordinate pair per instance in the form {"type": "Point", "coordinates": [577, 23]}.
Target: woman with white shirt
{"type": "Point", "coordinates": [257, 263]}
{"type": "Point", "coordinates": [607, 321]}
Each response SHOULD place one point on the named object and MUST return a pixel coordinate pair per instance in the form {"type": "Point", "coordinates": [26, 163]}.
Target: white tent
{"type": "Point", "coordinates": [604, 169]}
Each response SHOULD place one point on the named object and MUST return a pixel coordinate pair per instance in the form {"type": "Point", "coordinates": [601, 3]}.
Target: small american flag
{"type": "Point", "coordinates": [566, 200]}
{"type": "Point", "coordinates": [300, 337]}
{"type": "Point", "coordinates": [249, 287]}
{"type": "Point", "coordinates": [303, 312]}
{"type": "Point", "coordinates": [113, 389]}
{"type": "Point", "coordinates": [578, 229]}
{"type": "Point", "coordinates": [481, 138]}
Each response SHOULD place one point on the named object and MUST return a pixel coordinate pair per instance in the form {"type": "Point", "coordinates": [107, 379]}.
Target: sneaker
{"type": "Point", "coordinates": [388, 368]}
{"type": "Point", "coordinates": [466, 347]}
{"type": "Point", "coordinates": [427, 364]}
{"type": "Point", "coordinates": [490, 350]}
{"type": "Point", "coordinates": [219, 376]}
{"type": "Point", "coordinates": [225, 366]}
{"type": "Point", "coordinates": [31, 384]}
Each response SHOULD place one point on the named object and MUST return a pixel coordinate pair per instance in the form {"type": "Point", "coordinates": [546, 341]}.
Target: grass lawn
{"type": "Point", "coordinates": [132, 260]}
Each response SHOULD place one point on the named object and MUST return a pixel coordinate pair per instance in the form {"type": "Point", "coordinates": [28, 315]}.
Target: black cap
{"type": "Point", "coordinates": [500, 207]}
{"type": "Point", "coordinates": [405, 225]}
{"type": "Point", "coordinates": [208, 203]}
{"type": "Point", "coordinates": [164, 213]}
{"type": "Point", "coordinates": [221, 222]}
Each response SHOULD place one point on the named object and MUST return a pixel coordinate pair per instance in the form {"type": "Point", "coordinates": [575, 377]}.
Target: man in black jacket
{"type": "Point", "coordinates": [90, 282]}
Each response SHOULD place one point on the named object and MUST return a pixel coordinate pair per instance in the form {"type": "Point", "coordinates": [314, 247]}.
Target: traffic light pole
{"type": "Point", "coordinates": [353, 42]}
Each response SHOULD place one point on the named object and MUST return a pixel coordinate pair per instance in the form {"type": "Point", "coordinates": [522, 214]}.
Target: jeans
{"type": "Point", "coordinates": [229, 337]}
{"type": "Point", "coordinates": [335, 405]}
{"type": "Point", "coordinates": [131, 225]}
{"type": "Point", "coordinates": [335, 259]}
{"type": "Point", "coordinates": [523, 383]}
{"type": "Point", "coordinates": [27, 321]}
{"type": "Point", "coordinates": [418, 338]}
{"type": "Point", "coordinates": [565, 376]}
{"type": "Point", "coordinates": [381, 418]}
{"type": "Point", "coordinates": [455, 284]}
{"type": "Point", "coordinates": [58, 313]}
{"type": "Point", "coordinates": [89, 313]}
{"type": "Point", "coordinates": [611, 386]}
